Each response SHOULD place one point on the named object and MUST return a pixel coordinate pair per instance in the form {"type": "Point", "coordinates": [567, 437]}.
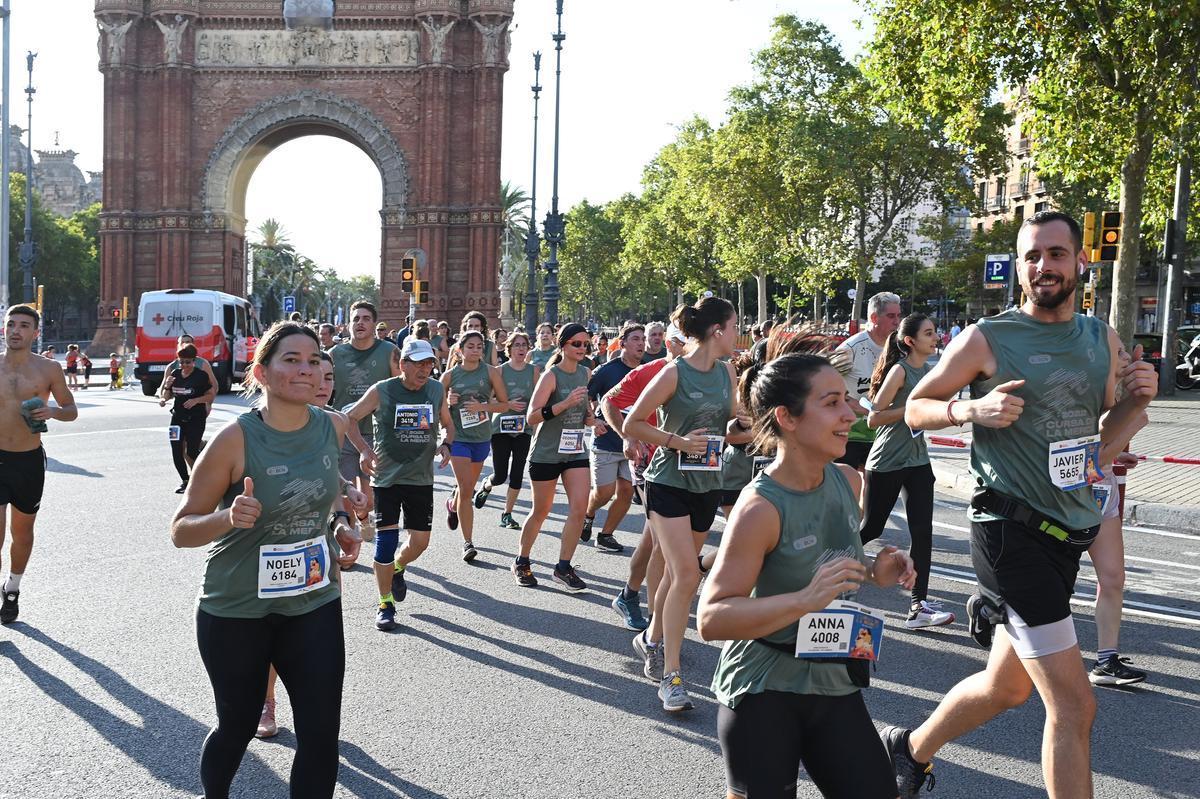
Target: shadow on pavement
{"type": "Point", "coordinates": [53, 465]}
{"type": "Point", "coordinates": [166, 744]}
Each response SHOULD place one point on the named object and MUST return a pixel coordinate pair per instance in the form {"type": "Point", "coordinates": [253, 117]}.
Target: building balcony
{"type": "Point", "coordinates": [999, 203]}
{"type": "Point", "coordinates": [1023, 146]}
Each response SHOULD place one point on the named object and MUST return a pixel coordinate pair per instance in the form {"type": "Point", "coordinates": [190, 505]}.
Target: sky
{"type": "Point", "coordinates": [632, 72]}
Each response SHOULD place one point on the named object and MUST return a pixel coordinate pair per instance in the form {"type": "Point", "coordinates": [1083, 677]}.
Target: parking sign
{"type": "Point", "coordinates": [997, 270]}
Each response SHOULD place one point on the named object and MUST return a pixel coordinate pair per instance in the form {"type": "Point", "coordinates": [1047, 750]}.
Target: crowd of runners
{"type": "Point", "coordinates": [803, 443]}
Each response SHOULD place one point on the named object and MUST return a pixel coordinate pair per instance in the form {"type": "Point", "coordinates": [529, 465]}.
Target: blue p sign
{"type": "Point", "coordinates": [289, 304]}
{"type": "Point", "coordinates": [997, 270]}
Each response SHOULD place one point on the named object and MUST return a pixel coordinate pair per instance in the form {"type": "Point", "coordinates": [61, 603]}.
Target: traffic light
{"type": "Point", "coordinates": [1110, 235]}
{"type": "Point", "coordinates": [422, 292]}
{"type": "Point", "coordinates": [116, 316]}
{"type": "Point", "coordinates": [41, 299]}
{"type": "Point", "coordinates": [1089, 236]}
{"type": "Point", "coordinates": [408, 274]}
{"type": "Point", "coordinates": [124, 307]}
{"type": "Point", "coordinates": [1089, 298]}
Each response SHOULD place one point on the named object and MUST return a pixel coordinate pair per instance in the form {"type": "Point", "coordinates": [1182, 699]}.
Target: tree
{"type": "Point", "coordinates": [1107, 83]}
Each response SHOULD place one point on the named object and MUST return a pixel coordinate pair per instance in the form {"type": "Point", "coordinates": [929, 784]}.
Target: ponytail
{"type": "Point", "coordinates": [895, 350]}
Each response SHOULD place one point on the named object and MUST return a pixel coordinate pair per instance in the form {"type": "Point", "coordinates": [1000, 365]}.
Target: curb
{"type": "Point", "coordinates": [1177, 518]}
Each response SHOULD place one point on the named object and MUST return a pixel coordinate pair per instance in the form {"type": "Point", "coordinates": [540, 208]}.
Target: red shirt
{"type": "Point", "coordinates": [626, 393]}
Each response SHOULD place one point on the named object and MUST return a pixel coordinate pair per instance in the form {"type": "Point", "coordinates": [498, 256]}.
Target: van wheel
{"type": "Point", "coordinates": [225, 382]}
{"type": "Point", "coordinates": [148, 388]}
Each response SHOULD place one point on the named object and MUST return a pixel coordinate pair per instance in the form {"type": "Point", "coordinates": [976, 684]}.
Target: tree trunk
{"type": "Point", "coordinates": [1123, 314]}
{"type": "Point", "coordinates": [741, 300]}
{"type": "Point", "coordinates": [860, 289]}
{"type": "Point", "coordinates": [760, 280]}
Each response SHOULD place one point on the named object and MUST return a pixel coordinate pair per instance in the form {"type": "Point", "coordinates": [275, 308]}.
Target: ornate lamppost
{"type": "Point", "coordinates": [555, 225]}
{"type": "Point", "coordinates": [532, 243]}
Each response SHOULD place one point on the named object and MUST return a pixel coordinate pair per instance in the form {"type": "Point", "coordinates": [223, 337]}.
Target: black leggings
{"type": "Point", "coordinates": [769, 735]}
{"type": "Point", "coordinates": [915, 484]}
{"type": "Point", "coordinates": [310, 655]}
{"type": "Point", "coordinates": [505, 446]}
{"type": "Point", "coordinates": [191, 433]}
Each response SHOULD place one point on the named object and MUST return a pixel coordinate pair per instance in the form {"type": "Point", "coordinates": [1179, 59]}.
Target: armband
{"type": "Point", "coordinates": [547, 413]}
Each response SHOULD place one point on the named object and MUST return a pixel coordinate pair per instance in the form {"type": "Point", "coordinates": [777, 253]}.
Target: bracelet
{"type": "Point", "coordinates": [950, 413]}
{"type": "Point", "coordinates": [339, 514]}
{"type": "Point", "coordinates": [670, 437]}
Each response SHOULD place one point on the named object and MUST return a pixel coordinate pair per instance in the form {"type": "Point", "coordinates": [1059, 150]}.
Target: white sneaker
{"type": "Point", "coordinates": [929, 614]}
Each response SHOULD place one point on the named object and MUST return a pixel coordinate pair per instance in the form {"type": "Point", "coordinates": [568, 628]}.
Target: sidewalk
{"type": "Point", "coordinates": [1160, 494]}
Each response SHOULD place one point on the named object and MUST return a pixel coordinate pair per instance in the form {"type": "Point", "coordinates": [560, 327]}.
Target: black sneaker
{"type": "Point", "coordinates": [481, 496]}
{"type": "Point", "coordinates": [451, 513]}
{"type": "Point", "coordinates": [608, 543]}
{"type": "Point", "coordinates": [182, 487]}
{"type": "Point", "coordinates": [385, 619]}
{"type": "Point", "coordinates": [1110, 671]}
{"type": "Point", "coordinates": [569, 580]}
{"type": "Point", "coordinates": [586, 533]}
{"type": "Point", "coordinates": [523, 574]}
{"type": "Point", "coordinates": [9, 611]}
{"type": "Point", "coordinates": [469, 552]}
{"type": "Point", "coordinates": [637, 495]}
{"type": "Point", "coordinates": [508, 522]}
{"type": "Point", "coordinates": [910, 775]}
{"type": "Point", "coordinates": [399, 587]}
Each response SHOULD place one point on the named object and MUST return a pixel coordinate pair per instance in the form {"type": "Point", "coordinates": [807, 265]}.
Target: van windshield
{"type": "Point", "coordinates": [169, 319]}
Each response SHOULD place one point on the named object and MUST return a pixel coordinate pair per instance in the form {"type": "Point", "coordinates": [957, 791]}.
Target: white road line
{"type": "Point", "coordinates": [1127, 527]}
{"type": "Point", "coordinates": [1163, 562]}
{"type": "Point", "coordinates": [55, 437]}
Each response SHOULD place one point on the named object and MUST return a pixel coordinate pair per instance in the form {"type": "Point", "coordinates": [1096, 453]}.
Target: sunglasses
{"type": "Point", "coordinates": [578, 344]}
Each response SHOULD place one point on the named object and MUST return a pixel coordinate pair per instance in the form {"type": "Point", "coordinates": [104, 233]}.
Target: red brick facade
{"type": "Point", "coordinates": [197, 92]}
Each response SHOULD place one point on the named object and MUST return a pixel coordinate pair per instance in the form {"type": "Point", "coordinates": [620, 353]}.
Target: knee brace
{"type": "Point", "coordinates": [385, 545]}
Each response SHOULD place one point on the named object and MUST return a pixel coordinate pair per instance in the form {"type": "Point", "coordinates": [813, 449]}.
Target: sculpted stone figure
{"type": "Point", "coordinates": [491, 40]}
{"type": "Point", "coordinates": [437, 39]}
{"type": "Point", "coordinates": [116, 39]}
{"type": "Point", "coordinates": [172, 38]}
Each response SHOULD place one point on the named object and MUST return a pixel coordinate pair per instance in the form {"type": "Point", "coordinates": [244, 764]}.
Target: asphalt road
{"type": "Point", "coordinates": [489, 689]}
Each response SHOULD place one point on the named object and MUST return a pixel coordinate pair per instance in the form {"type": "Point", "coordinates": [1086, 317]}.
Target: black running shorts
{"type": "Point", "coordinates": [22, 478]}
{"type": "Point", "coordinates": [539, 471]}
{"type": "Point", "coordinates": [672, 502]}
{"type": "Point", "coordinates": [1027, 569]}
{"type": "Point", "coordinates": [415, 501]}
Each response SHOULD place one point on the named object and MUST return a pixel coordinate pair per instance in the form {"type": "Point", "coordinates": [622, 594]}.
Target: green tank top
{"type": "Point", "coordinates": [895, 447]}
{"type": "Point", "coordinates": [355, 371]}
{"type": "Point", "coordinates": [519, 384]}
{"type": "Point", "coordinates": [565, 431]}
{"type": "Point", "coordinates": [1065, 366]}
{"type": "Point", "coordinates": [702, 400]}
{"type": "Point", "coordinates": [539, 357]}
{"type": "Point", "coordinates": [296, 479]}
{"type": "Point", "coordinates": [475, 384]}
{"type": "Point", "coordinates": [436, 343]}
{"type": "Point", "coordinates": [737, 468]}
{"type": "Point", "coordinates": [814, 528]}
{"type": "Point", "coordinates": [406, 432]}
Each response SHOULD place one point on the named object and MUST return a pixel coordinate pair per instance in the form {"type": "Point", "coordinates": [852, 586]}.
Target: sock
{"type": "Point", "coordinates": [523, 561]}
{"type": "Point", "coordinates": [629, 593]}
{"type": "Point", "coordinates": [591, 518]}
{"type": "Point", "coordinates": [563, 565]}
{"type": "Point", "coordinates": [646, 640]}
{"type": "Point", "coordinates": [399, 566]}
{"type": "Point", "coordinates": [387, 598]}
{"type": "Point", "coordinates": [1105, 654]}
{"type": "Point", "coordinates": [13, 583]}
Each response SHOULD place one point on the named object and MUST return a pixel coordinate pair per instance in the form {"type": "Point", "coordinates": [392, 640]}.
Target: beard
{"type": "Point", "coordinates": [1066, 288]}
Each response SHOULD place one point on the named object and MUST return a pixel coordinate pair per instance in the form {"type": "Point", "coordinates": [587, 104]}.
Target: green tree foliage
{"type": "Point", "coordinates": [68, 262]}
{"type": "Point", "coordinates": [1108, 85]}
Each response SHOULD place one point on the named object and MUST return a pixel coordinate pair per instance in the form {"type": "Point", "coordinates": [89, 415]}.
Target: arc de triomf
{"type": "Point", "coordinates": [197, 92]}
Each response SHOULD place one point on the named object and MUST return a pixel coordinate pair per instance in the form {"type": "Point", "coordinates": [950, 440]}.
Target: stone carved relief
{"type": "Point", "coordinates": [306, 106]}
{"type": "Point", "coordinates": [116, 39]}
{"type": "Point", "coordinates": [491, 41]}
{"type": "Point", "coordinates": [437, 39]}
{"type": "Point", "coordinates": [307, 48]}
{"type": "Point", "coordinates": [172, 38]}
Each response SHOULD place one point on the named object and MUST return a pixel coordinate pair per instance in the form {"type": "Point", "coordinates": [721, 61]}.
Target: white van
{"type": "Point", "coordinates": [225, 328]}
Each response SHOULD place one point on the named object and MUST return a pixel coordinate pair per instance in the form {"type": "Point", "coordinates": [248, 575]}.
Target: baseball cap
{"type": "Point", "coordinates": [417, 349]}
{"type": "Point", "coordinates": [675, 334]}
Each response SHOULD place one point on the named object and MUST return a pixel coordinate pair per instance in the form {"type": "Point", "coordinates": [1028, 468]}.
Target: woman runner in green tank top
{"type": "Point", "coordinates": [683, 481]}
{"type": "Point", "coordinates": [270, 593]}
{"type": "Point", "coordinates": [898, 463]}
{"type": "Point", "coordinates": [792, 547]}
{"type": "Point", "coordinates": [541, 354]}
{"type": "Point", "coordinates": [474, 321]}
{"type": "Point", "coordinates": [510, 436]}
{"type": "Point", "coordinates": [558, 412]}
{"type": "Point", "coordinates": [470, 387]}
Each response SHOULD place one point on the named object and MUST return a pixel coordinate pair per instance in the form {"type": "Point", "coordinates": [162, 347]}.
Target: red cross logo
{"type": "Point", "coordinates": [158, 319]}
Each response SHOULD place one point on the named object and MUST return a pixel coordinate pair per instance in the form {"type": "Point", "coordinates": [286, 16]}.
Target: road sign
{"type": "Point", "coordinates": [997, 270]}
{"type": "Point", "coordinates": [289, 304]}
{"type": "Point", "coordinates": [851, 293]}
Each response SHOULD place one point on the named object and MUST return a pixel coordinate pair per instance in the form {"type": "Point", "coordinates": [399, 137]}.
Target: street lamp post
{"type": "Point", "coordinates": [532, 244]}
{"type": "Point", "coordinates": [5, 165]}
{"type": "Point", "coordinates": [555, 225]}
{"type": "Point", "coordinates": [29, 250]}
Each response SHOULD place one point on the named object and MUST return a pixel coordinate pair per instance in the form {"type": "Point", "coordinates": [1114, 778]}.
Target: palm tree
{"type": "Point", "coordinates": [274, 264]}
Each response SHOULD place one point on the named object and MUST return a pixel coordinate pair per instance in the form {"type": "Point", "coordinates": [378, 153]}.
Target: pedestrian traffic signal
{"type": "Point", "coordinates": [422, 292]}
{"type": "Point", "coordinates": [1089, 298]}
{"type": "Point", "coordinates": [408, 274]}
{"type": "Point", "coordinates": [116, 315]}
{"type": "Point", "coordinates": [1110, 235]}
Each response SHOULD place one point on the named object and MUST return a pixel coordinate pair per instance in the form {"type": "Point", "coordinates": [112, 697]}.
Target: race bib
{"type": "Point", "coordinates": [570, 442]}
{"type": "Point", "coordinates": [292, 569]}
{"type": "Point", "coordinates": [512, 424]}
{"type": "Point", "coordinates": [841, 630]}
{"type": "Point", "coordinates": [173, 432]}
{"type": "Point", "coordinates": [707, 461]}
{"type": "Point", "coordinates": [472, 418]}
{"type": "Point", "coordinates": [1075, 463]}
{"type": "Point", "coordinates": [760, 463]}
{"type": "Point", "coordinates": [414, 417]}
{"type": "Point", "coordinates": [1101, 494]}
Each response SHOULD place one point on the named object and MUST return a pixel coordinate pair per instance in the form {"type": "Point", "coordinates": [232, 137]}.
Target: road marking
{"type": "Point", "coordinates": [102, 432]}
{"type": "Point", "coordinates": [1127, 527]}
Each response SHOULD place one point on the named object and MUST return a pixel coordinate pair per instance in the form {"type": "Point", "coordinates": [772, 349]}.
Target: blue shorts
{"type": "Point", "coordinates": [477, 451]}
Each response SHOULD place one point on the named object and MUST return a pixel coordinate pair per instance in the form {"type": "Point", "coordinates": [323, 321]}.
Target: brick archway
{"type": "Point", "coordinates": [196, 92]}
